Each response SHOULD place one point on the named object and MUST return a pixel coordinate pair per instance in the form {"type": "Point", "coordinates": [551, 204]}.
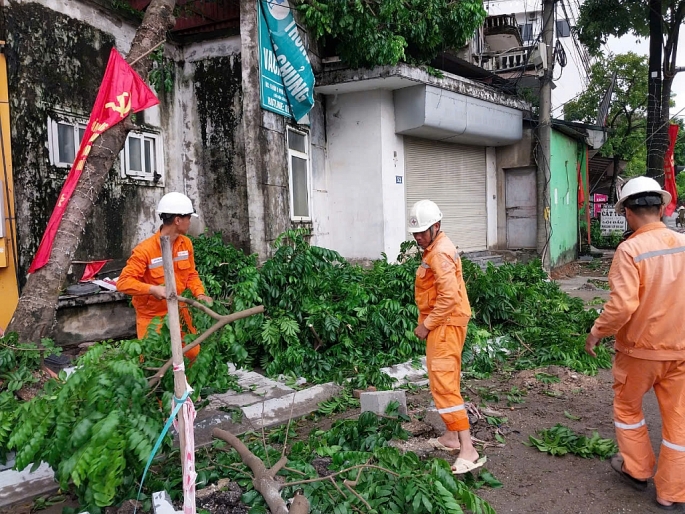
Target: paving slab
{"type": "Point", "coordinates": [257, 388]}
{"type": "Point", "coordinates": [581, 287]}
{"type": "Point", "coordinates": [406, 373]}
{"type": "Point", "coordinates": [18, 486]}
{"type": "Point", "coordinates": [278, 410]}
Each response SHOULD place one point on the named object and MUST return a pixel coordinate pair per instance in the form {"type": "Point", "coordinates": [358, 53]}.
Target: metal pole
{"type": "Point", "coordinates": [544, 138]}
{"type": "Point", "coordinates": [176, 344]}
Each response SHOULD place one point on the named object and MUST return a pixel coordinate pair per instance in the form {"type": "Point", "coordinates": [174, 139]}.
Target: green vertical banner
{"type": "Point", "coordinates": [287, 78]}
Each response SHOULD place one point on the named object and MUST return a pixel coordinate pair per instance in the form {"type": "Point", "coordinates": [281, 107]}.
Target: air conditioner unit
{"type": "Point", "coordinates": [532, 15]}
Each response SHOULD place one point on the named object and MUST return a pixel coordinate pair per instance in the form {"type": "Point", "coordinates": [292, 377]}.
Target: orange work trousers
{"type": "Point", "coordinates": [632, 379]}
{"type": "Point", "coordinates": [443, 360]}
{"type": "Point", "coordinates": [143, 323]}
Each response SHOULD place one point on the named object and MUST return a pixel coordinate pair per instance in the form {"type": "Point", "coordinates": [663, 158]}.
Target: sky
{"type": "Point", "coordinates": [631, 44]}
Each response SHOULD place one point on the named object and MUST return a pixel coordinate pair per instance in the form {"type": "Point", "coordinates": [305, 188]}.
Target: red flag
{"type": "Point", "coordinates": [92, 269]}
{"type": "Point", "coordinates": [122, 91]}
{"type": "Point", "coordinates": [669, 170]}
{"type": "Point", "coordinates": [581, 189]}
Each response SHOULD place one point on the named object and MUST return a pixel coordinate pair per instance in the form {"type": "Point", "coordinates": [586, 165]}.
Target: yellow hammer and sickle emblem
{"type": "Point", "coordinates": [123, 107]}
{"type": "Point", "coordinates": [62, 199]}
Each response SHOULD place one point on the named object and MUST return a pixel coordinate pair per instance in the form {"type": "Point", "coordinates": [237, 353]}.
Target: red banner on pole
{"type": "Point", "coordinates": [669, 170]}
{"type": "Point", "coordinates": [122, 91]}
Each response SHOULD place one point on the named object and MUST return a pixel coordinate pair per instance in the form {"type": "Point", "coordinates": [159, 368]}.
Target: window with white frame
{"type": "Point", "coordinates": [298, 167]}
{"type": "Point", "coordinates": [64, 138]}
{"type": "Point", "coordinates": [142, 158]}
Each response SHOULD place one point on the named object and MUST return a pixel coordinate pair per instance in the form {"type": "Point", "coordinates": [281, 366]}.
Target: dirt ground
{"type": "Point", "coordinates": [535, 482]}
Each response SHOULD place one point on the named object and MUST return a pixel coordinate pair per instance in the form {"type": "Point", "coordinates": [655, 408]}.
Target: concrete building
{"type": "Point", "coordinates": [397, 135]}
{"type": "Point", "coordinates": [511, 32]}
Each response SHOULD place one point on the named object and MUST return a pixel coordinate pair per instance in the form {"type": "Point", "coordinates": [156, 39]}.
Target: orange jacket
{"type": "Point", "coordinates": [439, 288]}
{"type": "Point", "coordinates": [144, 269]}
{"type": "Point", "coordinates": [646, 309]}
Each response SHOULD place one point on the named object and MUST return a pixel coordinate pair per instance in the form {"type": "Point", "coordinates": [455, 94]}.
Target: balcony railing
{"type": "Point", "coordinates": [500, 22]}
{"type": "Point", "coordinates": [509, 60]}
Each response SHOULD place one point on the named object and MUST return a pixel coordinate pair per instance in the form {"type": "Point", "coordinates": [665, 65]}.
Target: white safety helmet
{"type": "Point", "coordinates": [639, 186]}
{"type": "Point", "coordinates": [423, 215]}
{"type": "Point", "coordinates": [175, 203]}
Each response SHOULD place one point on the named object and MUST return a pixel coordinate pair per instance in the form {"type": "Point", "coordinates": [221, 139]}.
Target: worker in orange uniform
{"type": "Point", "coordinates": [143, 276]}
{"type": "Point", "coordinates": [645, 312]}
{"type": "Point", "coordinates": [444, 314]}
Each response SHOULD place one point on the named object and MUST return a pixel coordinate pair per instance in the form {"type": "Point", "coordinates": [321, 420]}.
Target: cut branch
{"type": "Point", "coordinates": [223, 321]}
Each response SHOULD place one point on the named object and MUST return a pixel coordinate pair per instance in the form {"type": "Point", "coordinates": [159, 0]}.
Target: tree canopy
{"type": "Point", "coordinates": [367, 33]}
{"type": "Point", "coordinates": [628, 112]}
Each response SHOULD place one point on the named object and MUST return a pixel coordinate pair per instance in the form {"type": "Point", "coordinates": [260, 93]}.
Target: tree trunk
{"type": "Point", "coordinates": [35, 314]}
{"type": "Point", "coordinates": [656, 142]}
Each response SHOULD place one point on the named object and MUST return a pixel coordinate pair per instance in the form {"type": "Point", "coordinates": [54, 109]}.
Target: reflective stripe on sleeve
{"type": "Point", "coordinates": [630, 427]}
{"type": "Point", "coordinates": [156, 265]}
{"type": "Point", "coordinates": [447, 410]}
{"type": "Point", "coordinates": [656, 253]}
{"type": "Point", "coordinates": [672, 446]}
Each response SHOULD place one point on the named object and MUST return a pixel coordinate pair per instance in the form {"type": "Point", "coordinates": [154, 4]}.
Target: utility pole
{"type": "Point", "coordinates": [545, 137]}
{"type": "Point", "coordinates": [656, 146]}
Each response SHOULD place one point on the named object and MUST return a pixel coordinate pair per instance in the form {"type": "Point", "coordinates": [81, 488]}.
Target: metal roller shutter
{"type": "Point", "coordinates": [453, 176]}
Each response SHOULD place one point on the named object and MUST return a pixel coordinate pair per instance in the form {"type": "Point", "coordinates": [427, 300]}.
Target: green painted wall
{"type": "Point", "coordinates": [563, 194]}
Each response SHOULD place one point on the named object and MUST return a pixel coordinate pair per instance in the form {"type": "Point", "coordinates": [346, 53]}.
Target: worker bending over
{"type": "Point", "coordinates": [143, 276]}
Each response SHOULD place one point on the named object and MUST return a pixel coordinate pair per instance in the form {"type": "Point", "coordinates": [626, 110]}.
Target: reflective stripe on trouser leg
{"type": "Point", "coordinates": [632, 379]}
{"type": "Point", "coordinates": [443, 360]}
{"type": "Point", "coordinates": [670, 473]}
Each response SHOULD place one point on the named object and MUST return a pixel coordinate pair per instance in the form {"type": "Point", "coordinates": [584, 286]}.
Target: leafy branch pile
{"type": "Point", "coordinates": [519, 315]}
{"type": "Point", "coordinates": [356, 451]}
{"type": "Point", "coordinates": [560, 440]}
{"type": "Point", "coordinates": [327, 319]}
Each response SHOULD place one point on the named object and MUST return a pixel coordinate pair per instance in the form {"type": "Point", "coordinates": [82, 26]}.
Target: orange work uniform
{"type": "Point", "coordinates": [145, 269]}
{"type": "Point", "coordinates": [646, 312]}
{"type": "Point", "coordinates": [445, 311]}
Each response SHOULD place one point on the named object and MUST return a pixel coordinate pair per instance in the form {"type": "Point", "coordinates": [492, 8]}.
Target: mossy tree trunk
{"type": "Point", "coordinates": [35, 314]}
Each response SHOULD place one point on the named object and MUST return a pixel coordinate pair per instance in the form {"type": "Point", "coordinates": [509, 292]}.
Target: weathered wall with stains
{"type": "Point", "coordinates": [57, 52]}
{"type": "Point", "coordinates": [55, 65]}
{"type": "Point", "coordinates": [210, 100]}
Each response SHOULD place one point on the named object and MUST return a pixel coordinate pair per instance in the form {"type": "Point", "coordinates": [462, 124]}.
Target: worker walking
{"type": "Point", "coordinates": [645, 312]}
{"type": "Point", "coordinates": [444, 314]}
{"type": "Point", "coordinates": [143, 276]}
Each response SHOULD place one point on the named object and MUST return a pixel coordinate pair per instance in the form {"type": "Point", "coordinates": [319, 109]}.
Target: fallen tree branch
{"type": "Point", "coordinates": [263, 480]}
{"type": "Point", "coordinates": [319, 342]}
{"type": "Point", "coordinates": [223, 321]}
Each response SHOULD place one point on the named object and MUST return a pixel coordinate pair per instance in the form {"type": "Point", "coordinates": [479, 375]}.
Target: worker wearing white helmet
{"type": "Point", "coordinates": [143, 276]}
{"type": "Point", "coordinates": [645, 313]}
{"type": "Point", "coordinates": [444, 314]}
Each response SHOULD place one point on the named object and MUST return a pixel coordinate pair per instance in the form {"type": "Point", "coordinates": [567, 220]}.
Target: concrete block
{"type": "Point", "coordinates": [378, 401]}
{"type": "Point", "coordinates": [161, 504]}
{"type": "Point", "coordinates": [18, 486]}
{"type": "Point", "coordinates": [405, 373]}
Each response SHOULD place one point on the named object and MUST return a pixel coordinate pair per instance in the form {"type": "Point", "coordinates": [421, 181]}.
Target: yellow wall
{"type": "Point", "coordinates": [9, 289]}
